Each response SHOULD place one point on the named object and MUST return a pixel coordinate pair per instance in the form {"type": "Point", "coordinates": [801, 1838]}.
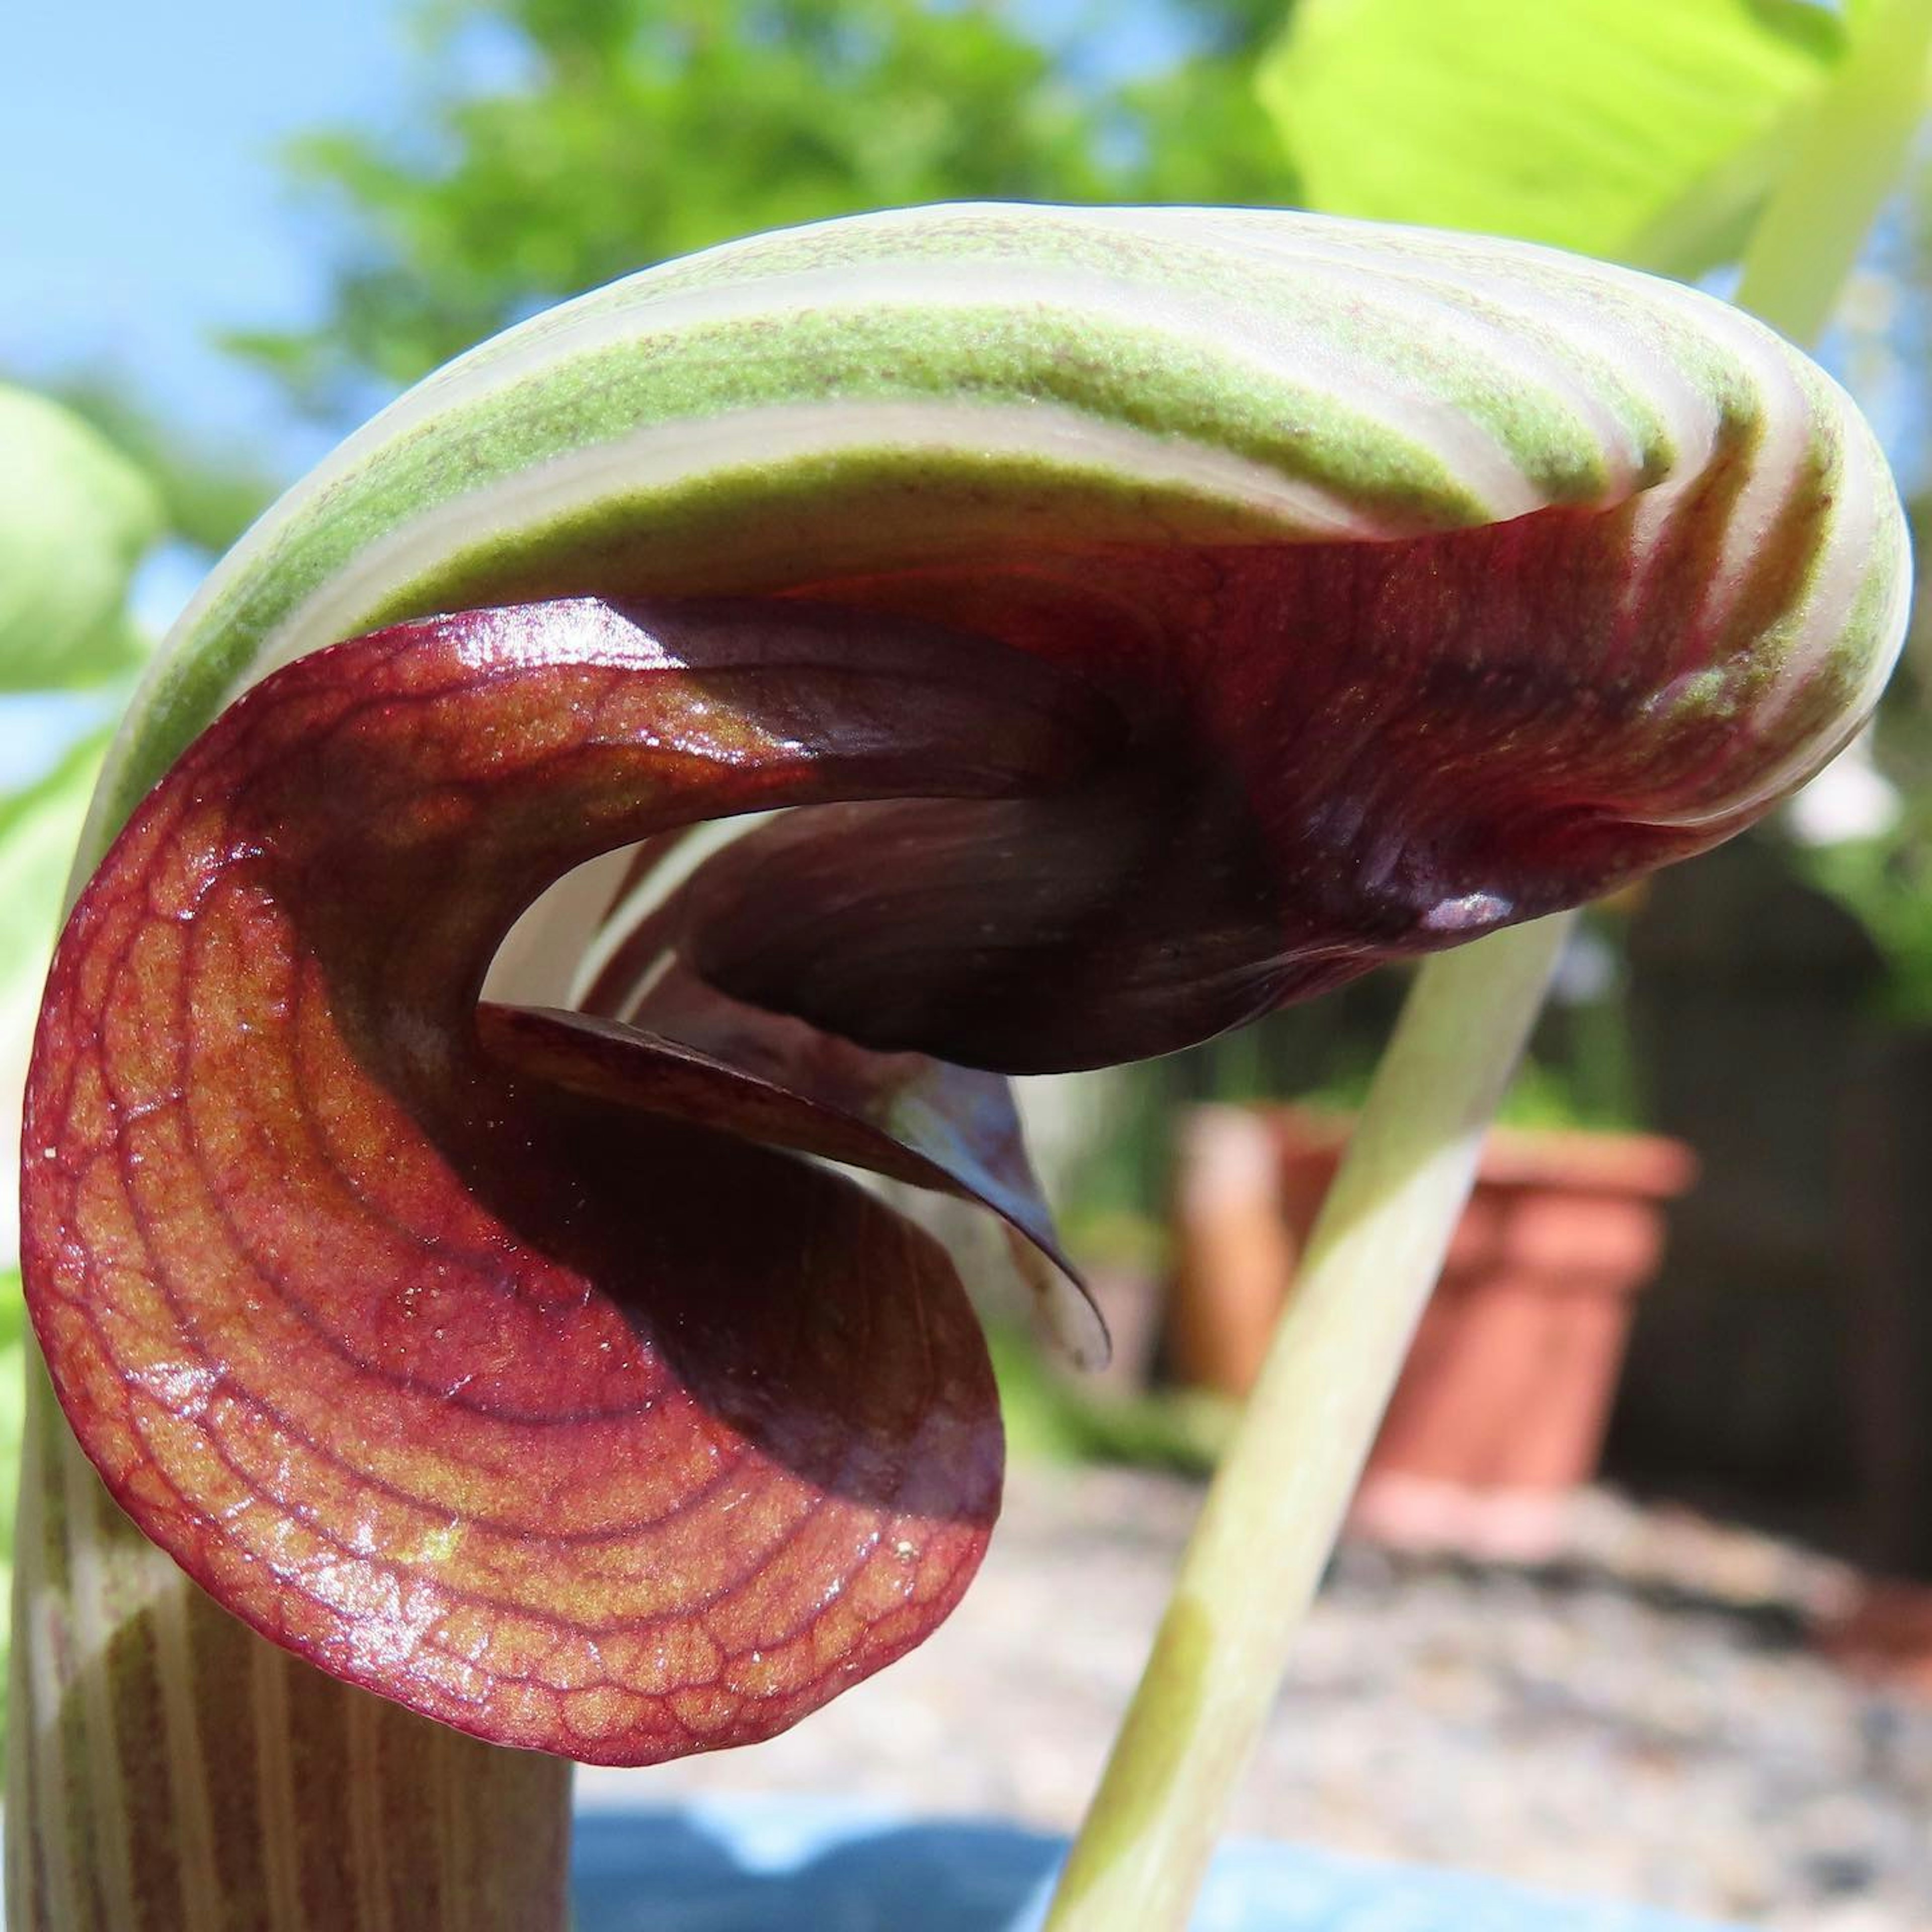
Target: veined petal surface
{"type": "Point", "coordinates": [583, 1425]}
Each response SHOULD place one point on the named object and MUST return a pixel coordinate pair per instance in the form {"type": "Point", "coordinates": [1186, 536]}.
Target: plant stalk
{"type": "Point", "coordinates": [1276, 1506]}
{"type": "Point", "coordinates": [170, 1771]}
{"type": "Point", "coordinates": [1843, 165]}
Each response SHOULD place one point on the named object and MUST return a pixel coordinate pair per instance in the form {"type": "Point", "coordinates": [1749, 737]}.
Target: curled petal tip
{"type": "Point", "coordinates": [584, 1424]}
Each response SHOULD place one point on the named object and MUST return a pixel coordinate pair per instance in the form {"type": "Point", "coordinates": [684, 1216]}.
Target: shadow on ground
{"type": "Point", "coordinates": [805, 1868]}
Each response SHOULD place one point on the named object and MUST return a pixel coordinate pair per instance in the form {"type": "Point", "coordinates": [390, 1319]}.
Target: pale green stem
{"type": "Point", "coordinates": [1276, 1504]}
{"type": "Point", "coordinates": [1275, 1508]}
{"type": "Point", "coordinates": [1843, 166]}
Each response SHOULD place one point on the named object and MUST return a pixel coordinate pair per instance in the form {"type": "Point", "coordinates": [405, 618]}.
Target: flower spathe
{"type": "Point", "coordinates": [1158, 615]}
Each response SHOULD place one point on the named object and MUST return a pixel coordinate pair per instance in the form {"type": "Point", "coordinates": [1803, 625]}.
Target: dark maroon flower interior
{"type": "Point", "coordinates": [1337, 753]}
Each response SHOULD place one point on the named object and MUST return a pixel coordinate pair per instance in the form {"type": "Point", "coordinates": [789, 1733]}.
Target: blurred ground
{"type": "Point", "coordinates": [1639, 1718]}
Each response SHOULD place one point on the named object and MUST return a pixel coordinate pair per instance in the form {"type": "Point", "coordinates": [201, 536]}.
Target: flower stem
{"type": "Point", "coordinates": [1845, 164]}
{"type": "Point", "coordinates": [167, 1769]}
{"type": "Point", "coordinates": [1277, 1503]}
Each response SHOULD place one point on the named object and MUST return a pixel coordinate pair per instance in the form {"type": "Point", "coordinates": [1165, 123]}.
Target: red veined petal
{"type": "Point", "coordinates": [575, 1425]}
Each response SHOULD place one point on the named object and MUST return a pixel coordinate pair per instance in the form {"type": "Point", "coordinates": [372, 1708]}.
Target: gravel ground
{"type": "Point", "coordinates": [1637, 1717]}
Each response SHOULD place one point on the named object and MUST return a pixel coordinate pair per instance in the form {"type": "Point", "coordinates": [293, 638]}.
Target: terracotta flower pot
{"type": "Point", "coordinates": [1506, 1394]}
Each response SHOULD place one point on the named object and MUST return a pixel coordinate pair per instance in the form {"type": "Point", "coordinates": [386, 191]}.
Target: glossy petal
{"type": "Point", "coordinates": [578, 1425]}
{"type": "Point", "coordinates": [1444, 580]}
{"type": "Point", "coordinates": [687, 1049]}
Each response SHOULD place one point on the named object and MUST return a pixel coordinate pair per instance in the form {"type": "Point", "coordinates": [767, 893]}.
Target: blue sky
{"type": "Point", "coordinates": [142, 207]}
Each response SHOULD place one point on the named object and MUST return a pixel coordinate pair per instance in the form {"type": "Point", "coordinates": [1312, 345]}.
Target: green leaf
{"type": "Point", "coordinates": [1647, 131]}
{"type": "Point", "coordinates": [75, 517]}
{"type": "Point", "coordinates": [209, 491]}
{"type": "Point", "coordinates": [39, 828]}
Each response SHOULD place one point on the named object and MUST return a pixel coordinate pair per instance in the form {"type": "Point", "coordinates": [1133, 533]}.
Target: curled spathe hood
{"type": "Point", "coordinates": [1146, 617]}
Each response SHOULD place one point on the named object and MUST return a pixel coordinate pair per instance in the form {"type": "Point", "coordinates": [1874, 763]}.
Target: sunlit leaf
{"type": "Point", "coordinates": [75, 516]}
{"type": "Point", "coordinates": [1646, 131]}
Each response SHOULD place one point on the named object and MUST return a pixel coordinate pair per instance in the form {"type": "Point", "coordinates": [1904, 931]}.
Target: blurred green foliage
{"type": "Point", "coordinates": [1885, 884]}
{"type": "Point", "coordinates": [1885, 881]}
{"type": "Point", "coordinates": [208, 493]}
{"type": "Point", "coordinates": [1051, 1417]}
{"type": "Point", "coordinates": [76, 519]}
{"type": "Point", "coordinates": [614, 134]}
